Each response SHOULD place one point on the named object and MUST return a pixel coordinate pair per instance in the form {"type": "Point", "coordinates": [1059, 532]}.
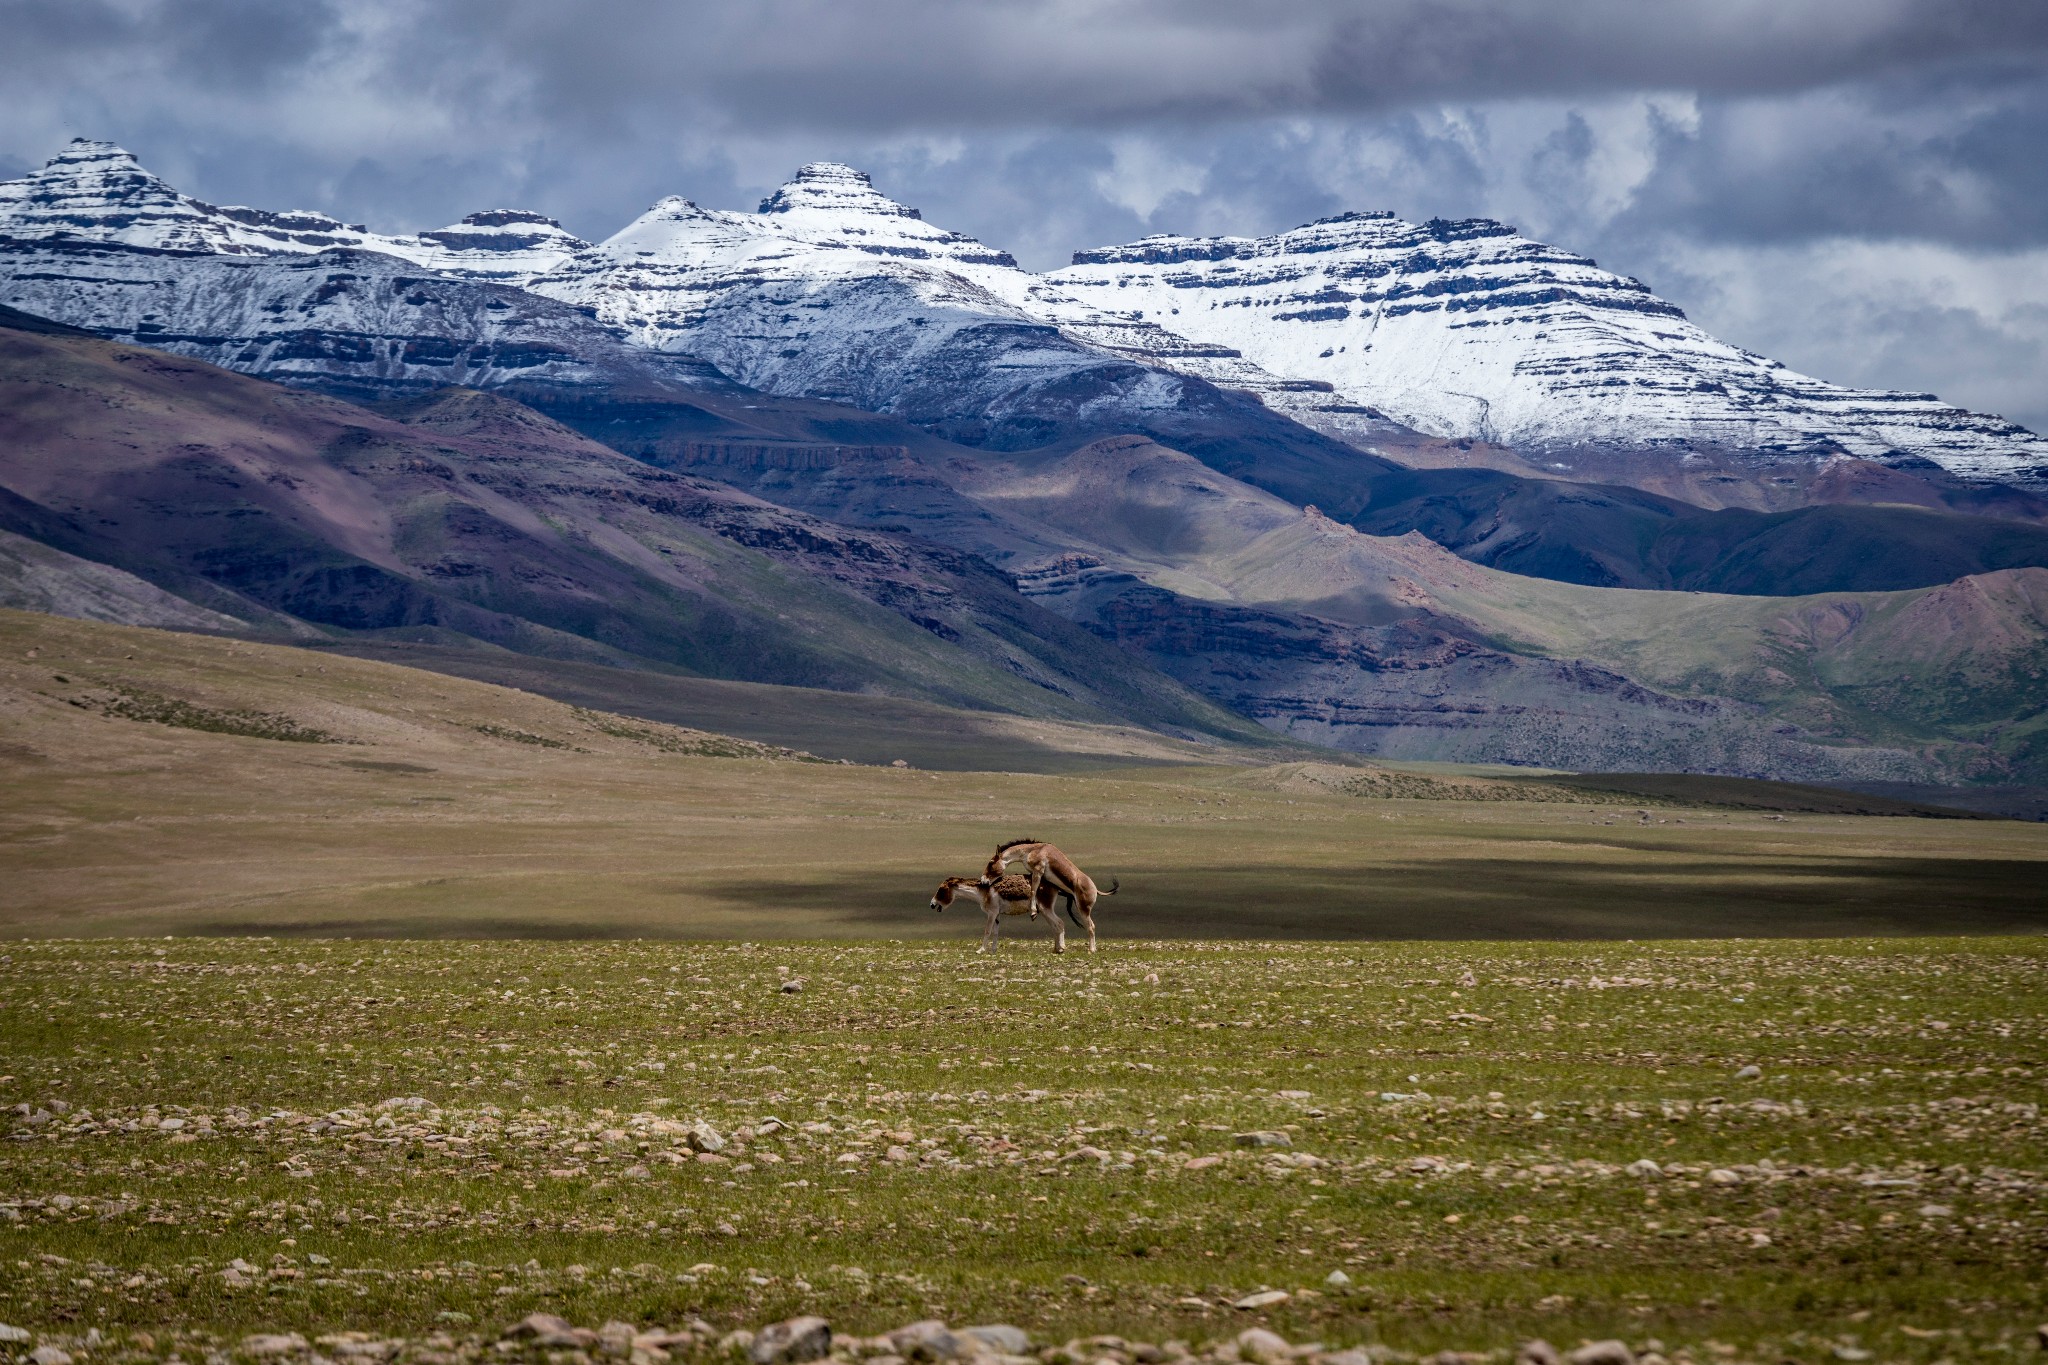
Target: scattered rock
{"type": "Point", "coordinates": [791, 1341]}
{"type": "Point", "coordinates": [1720, 1176]}
{"type": "Point", "coordinates": [49, 1355]}
{"type": "Point", "coordinates": [1936, 1211]}
{"type": "Point", "coordinates": [1337, 1279]}
{"type": "Point", "coordinates": [1001, 1338]}
{"type": "Point", "coordinates": [264, 1344]}
{"type": "Point", "coordinates": [1602, 1353]}
{"type": "Point", "coordinates": [928, 1340]}
{"type": "Point", "coordinates": [1203, 1163]}
{"type": "Point", "coordinates": [545, 1329]}
{"type": "Point", "coordinates": [702, 1137]}
{"type": "Point", "coordinates": [792, 988]}
{"type": "Point", "coordinates": [1749, 1073]}
{"type": "Point", "coordinates": [1536, 1352]}
{"type": "Point", "coordinates": [1265, 1298]}
{"type": "Point", "coordinates": [1263, 1139]}
{"type": "Point", "coordinates": [8, 1333]}
{"type": "Point", "coordinates": [1258, 1344]}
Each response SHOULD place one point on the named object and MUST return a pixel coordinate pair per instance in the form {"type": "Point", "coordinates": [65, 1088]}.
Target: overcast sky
{"type": "Point", "coordinates": [1856, 187]}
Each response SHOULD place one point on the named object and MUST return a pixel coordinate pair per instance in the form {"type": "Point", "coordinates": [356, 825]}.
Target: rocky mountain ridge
{"type": "Point", "coordinates": [1440, 344]}
{"type": "Point", "coordinates": [94, 191]}
{"type": "Point", "coordinates": [1467, 329]}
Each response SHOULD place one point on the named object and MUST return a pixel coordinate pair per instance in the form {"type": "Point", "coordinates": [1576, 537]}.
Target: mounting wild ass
{"type": "Point", "coordinates": [1051, 868]}
{"type": "Point", "coordinates": [999, 896]}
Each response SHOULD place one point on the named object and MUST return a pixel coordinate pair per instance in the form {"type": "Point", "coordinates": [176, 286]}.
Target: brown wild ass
{"type": "Point", "coordinates": [999, 896]}
{"type": "Point", "coordinates": [1051, 868]}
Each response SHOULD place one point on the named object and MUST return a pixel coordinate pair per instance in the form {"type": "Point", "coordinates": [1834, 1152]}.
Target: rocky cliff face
{"type": "Point", "coordinates": [1467, 329]}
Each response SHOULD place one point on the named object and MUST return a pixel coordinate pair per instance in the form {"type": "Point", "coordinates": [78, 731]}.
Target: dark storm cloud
{"type": "Point", "coordinates": [1674, 139]}
{"type": "Point", "coordinates": [913, 64]}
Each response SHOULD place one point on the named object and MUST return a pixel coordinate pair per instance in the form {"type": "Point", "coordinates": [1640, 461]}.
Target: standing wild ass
{"type": "Point", "coordinates": [999, 896]}
{"type": "Point", "coordinates": [1051, 868]}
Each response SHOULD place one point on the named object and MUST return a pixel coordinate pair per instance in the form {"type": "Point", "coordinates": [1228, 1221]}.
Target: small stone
{"type": "Point", "coordinates": [1749, 1073]}
{"type": "Point", "coordinates": [49, 1355]}
{"type": "Point", "coordinates": [8, 1333]}
{"type": "Point", "coordinates": [792, 988]}
{"type": "Point", "coordinates": [927, 1340]}
{"type": "Point", "coordinates": [791, 1341]}
{"type": "Point", "coordinates": [1203, 1163]}
{"type": "Point", "coordinates": [1257, 1344]}
{"type": "Point", "coordinates": [273, 1344]}
{"type": "Point", "coordinates": [1644, 1168]}
{"type": "Point", "coordinates": [703, 1137]}
{"type": "Point", "coordinates": [636, 1172]}
{"type": "Point", "coordinates": [1936, 1211]}
{"type": "Point", "coordinates": [544, 1329]}
{"type": "Point", "coordinates": [1719, 1176]}
{"type": "Point", "coordinates": [735, 1342]}
{"type": "Point", "coordinates": [1337, 1279]}
{"type": "Point", "coordinates": [2041, 1336]}
{"type": "Point", "coordinates": [1536, 1352]}
{"type": "Point", "coordinates": [1608, 1352]}
{"type": "Point", "coordinates": [1001, 1338]}
{"type": "Point", "coordinates": [1265, 1298]}
{"type": "Point", "coordinates": [615, 1338]}
{"type": "Point", "coordinates": [1264, 1138]}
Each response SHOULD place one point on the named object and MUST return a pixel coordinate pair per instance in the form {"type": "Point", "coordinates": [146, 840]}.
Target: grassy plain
{"type": "Point", "coordinates": [452, 808]}
{"type": "Point", "coordinates": [342, 1126]}
{"type": "Point", "coordinates": [409, 1138]}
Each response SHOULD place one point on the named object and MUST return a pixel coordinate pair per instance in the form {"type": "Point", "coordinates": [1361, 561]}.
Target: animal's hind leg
{"type": "Point", "coordinates": [989, 930]}
{"type": "Point", "coordinates": [1088, 920]}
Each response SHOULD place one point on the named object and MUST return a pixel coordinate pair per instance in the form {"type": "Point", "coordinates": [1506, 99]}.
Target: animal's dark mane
{"type": "Point", "coordinates": [1000, 848]}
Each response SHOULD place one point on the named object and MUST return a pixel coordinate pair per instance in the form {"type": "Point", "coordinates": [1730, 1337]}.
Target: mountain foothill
{"type": "Point", "coordinates": [1411, 491]}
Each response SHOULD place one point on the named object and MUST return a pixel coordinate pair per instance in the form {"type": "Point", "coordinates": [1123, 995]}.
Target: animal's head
{"type": "Point", "coordinates": [949, 888]}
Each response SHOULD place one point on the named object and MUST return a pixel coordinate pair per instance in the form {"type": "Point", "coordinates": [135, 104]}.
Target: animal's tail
{"type": "Point", "coordinates": [1113, 884]}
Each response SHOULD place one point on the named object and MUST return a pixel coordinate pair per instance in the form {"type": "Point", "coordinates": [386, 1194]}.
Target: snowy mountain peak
{"type": "Point", "coordinates": [511, 245]}
{"type": "Point", "coordinates": [94, 191]}
{"type": "Point", "coordinates": [832, 188]}
{"type": "Point", "coordinates": [87, 150]}
{"type": "Point", "coordinates": [1464, 328]}
{"type": "Point", "coordinates": [508, 217]}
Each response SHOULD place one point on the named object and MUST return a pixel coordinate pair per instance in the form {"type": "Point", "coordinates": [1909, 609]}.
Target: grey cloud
{"type": "Point", "coordinates": [1045, 125]}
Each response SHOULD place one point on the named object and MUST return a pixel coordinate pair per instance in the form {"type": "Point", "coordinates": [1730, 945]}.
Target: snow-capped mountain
{"type": "Point", "coordinates": [1359, 326]}
{"type": "Point", "coordinates": [1467, 329]}
{"type": "Point", "coordinates": [97, 192]}
{"type": "Point", "coordinates": [833, 290]}
{"type": "Point", "coordinates": [95, 240]}
{"type": "Point", "coordinates": [350, 321]}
